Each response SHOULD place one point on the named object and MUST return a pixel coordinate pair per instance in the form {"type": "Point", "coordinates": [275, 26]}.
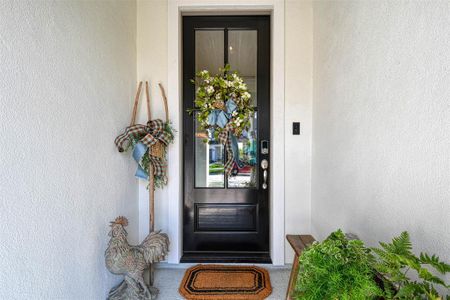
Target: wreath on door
{"type": "Point", "coordinates": [223, 108]}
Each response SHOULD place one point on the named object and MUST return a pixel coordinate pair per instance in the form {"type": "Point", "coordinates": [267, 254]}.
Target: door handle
{"type": "Point", "coordinates": [264, 166]}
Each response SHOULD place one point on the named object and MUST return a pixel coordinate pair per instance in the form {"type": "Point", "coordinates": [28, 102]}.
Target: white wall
{"type": "Point", "coordinates": [68, 79]}
{"type": "Point", "coordinates": [152, 65]}
{"type": "Point", "coordinates": [381, 137]}
{"type": "Point", "coordinates": [298, 107]}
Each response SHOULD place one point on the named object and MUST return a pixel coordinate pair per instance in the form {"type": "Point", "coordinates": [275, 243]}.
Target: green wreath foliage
{"type": "Point", "coordinates": [212, 93]}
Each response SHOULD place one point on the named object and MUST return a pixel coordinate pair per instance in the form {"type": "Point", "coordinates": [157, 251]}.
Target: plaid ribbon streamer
{"type": "Point", "coordinates": [148, 135]}
{"type": "Point", "coordinates": [226, 141]}
{"type": "Point", "coordinates": [159, 166]}
{"type": "Point", "coordinates": [226, 138]}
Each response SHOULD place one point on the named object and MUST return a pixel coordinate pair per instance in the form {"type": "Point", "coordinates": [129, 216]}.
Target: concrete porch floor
{"type": "Point", "coordinates": [168, 279]}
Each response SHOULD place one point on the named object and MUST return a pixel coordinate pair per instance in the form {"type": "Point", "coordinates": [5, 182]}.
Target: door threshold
{"type": "Point", "coordinates": [212, 257]}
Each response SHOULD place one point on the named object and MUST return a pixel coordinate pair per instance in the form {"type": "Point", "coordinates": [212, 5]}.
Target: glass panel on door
{"type": "Point", "coordinates": [247, 176]}
{"type": "Point", "coordinates": [209, 50]}
{"type": "Point", "coordinates": [209, 161]}
{"type": "Point", "coordinates": [242, 57]}
{"type": "Point", "coordinates": [209, 156]}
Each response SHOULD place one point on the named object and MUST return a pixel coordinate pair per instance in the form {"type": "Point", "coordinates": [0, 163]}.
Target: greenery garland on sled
{"type": "Point", "coordinates": [159, 180]}
{"type": "Point", "coordinates": [148, 142]}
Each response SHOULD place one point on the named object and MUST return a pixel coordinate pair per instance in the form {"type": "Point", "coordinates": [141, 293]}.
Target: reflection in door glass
{"type": "Point", "coordinates": [242, 56]}
{"type": "Point", "coordinates": [209, 171]}
{"type": "Point", "coordinates": [247, 176]}
{"type": "Point", "coordinates": [209, 53]}
{"type": "Point", "coordinates": [209, 50]}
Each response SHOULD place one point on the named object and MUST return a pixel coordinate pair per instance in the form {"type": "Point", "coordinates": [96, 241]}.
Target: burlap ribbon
{"type": "Point", "coordinates": [148, 136]}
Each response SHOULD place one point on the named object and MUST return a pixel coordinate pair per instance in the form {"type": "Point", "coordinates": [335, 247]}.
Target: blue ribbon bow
{"type": "Point", "coordinates": [219, 117]}
{"type": "Point", "coordinates": [138, 152]}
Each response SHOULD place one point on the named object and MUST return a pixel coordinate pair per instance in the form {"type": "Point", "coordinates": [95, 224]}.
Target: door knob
{"type": "Point", "coordinates": [264, 166]}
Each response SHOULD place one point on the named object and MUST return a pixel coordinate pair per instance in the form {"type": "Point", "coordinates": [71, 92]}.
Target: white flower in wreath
{"type": "Point", "coordinates": [204, 72]}
{"type": "Point", "coordinates": [234, 113]}
{"type": "Point", "coordinates": [246, 95]}
{"type": "Point", "coordinates": [218, 96]}
{"type": "Point", "coordinates": [210, 89]}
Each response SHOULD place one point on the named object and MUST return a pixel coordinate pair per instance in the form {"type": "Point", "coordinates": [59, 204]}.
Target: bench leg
{"type": "Point", "coordinates": [292, 278]}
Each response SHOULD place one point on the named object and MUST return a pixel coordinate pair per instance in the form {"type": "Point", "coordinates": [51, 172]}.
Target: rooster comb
{"type": "Point", "coordinates": [121, 220]}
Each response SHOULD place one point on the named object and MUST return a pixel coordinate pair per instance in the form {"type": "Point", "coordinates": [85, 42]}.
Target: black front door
{"type": "Point", "coordinates": [226, 218]}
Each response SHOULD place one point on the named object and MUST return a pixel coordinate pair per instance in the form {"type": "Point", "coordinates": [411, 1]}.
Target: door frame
{"type": "Point", "coordinates": [274, 8]}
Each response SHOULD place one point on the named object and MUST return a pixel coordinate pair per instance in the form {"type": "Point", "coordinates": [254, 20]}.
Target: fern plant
{"type": "Point", "coordinates": [336, 268]}
{"type": "Point", "coordinates": [396, 259]}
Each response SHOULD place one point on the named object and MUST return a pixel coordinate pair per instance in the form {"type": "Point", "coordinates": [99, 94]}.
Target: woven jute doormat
{"type": "Point", "coordinates": [218, 282]}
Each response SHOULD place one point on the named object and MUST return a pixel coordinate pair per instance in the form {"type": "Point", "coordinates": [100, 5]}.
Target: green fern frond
{"type": "Point", "coordinates": [435, 262]}
{"type": "Point", "coordinates": [408, 260]}
{"type": "Point", "coordinates": [395, 259]}
{"type": "Point", "coordinates": [408, 291]}
{"type": "Point", "coordinates": [426, 275]}
{"type": "Point", "coordinates": [402, 244]}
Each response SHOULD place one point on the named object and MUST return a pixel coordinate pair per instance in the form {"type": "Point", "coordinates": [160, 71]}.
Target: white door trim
{"type": "Point", "coordinates": [177, 8]}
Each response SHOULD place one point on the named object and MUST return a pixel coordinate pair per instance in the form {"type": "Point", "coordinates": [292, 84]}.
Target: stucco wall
{"type": "Point", "coordinates": [68, 79]}
{"type": "Point", "coordinates": [152, 65]}
{"type": "Point", "coordinates": [381, 137]}
{"type": "Point", "coordinates": [298, 107]}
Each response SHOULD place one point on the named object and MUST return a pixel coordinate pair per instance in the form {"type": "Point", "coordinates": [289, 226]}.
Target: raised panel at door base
{"type": "Point", "coordinates": [226, 217]}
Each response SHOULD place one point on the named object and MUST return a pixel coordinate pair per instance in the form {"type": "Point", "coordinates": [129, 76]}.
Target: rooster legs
{"type": "Point", "coordinates": [136, 280]}
{"type": "Point", "coordinates": [131, 282]}
{"type": "Point", "coordinates": [144, 286]}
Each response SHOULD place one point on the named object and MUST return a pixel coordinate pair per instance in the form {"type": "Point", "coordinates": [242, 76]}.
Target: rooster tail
{"type": "Point", "coordinates": [155, 247]}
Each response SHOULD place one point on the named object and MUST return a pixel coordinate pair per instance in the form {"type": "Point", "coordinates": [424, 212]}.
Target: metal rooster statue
{"type": "Point", "coordinates": [131, 261]}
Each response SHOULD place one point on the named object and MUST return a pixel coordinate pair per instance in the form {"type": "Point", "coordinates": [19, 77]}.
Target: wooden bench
{"type": "Point", "coordinates": [298, 243]}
